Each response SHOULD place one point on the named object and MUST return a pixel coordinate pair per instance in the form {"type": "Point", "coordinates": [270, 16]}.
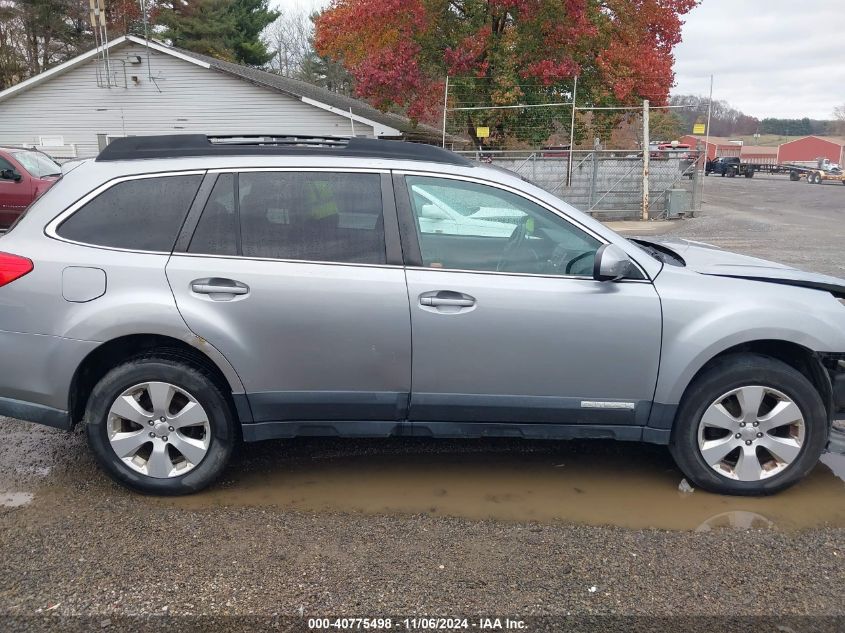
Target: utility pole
{"type": "Point", "coordinates": [146, 37]}
{"type": "Point", "coordinates": [445, 106]}
{"type": "Point", "coordinates": [646, 158]}
{"type": "Point", "coordinates": [571, 135]}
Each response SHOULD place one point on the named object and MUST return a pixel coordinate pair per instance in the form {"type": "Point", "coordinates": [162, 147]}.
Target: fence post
{"type": "Point", "coordinates": [595, 176]}
{"type": "Point", "coordinates": [646, 159]}
{"type": "Point", "coordinates": [571, 135]}
{"type": "Point", "coordinates": [445, 108]}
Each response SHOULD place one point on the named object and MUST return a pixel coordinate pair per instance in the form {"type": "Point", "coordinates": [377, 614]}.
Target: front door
{"type": "Point", "coordinates": [287, 274]}
{"type": "Point", "coordinates": [15, 196]}
{"type": "Point", "coordinates": [510, 327]}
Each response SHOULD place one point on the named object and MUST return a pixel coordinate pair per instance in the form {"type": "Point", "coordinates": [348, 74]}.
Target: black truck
{"type": "Point", "coordinates": [729, 166]}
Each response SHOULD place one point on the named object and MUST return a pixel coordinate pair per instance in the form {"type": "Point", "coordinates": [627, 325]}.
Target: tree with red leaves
{"type": "Point", "coordinates": [504, 52]}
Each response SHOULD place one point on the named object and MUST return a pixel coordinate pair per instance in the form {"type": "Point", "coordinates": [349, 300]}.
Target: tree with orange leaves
{"type": "Point", "coordinates": [504, 52]}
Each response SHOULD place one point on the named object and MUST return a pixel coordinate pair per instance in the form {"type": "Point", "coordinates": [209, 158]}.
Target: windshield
{"type": "Point", "coordinates": [37, 164]}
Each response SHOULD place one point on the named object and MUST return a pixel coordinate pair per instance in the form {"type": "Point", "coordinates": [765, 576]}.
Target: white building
{"type": "Point", "coordinates": [141, 87]}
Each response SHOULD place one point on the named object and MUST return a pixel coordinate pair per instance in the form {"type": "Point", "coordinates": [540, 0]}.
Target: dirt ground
{"type": "Point", "coordinates": [399, 528]}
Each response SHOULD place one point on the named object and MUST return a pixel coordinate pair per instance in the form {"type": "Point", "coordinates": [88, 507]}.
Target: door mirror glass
{"type": "Point", "coordinates": [612, 263]}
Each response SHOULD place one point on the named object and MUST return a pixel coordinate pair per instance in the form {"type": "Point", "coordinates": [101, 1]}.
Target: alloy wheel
{"type": "Point", "coordinates": [158, 429]}
{"type": "Point", "coordinates": [751, 433]}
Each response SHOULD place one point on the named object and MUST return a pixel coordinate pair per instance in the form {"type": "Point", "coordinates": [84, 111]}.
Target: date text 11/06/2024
{"type": "Point", "coordinates": [422, 623]}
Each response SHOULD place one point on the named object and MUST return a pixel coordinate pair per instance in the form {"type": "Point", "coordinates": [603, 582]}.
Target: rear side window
{"type": "Point", "coordinates": [143, 215]}
{"type": "Point", "coordinates": [308, 216]}
{"type": "Point", "coordinates": [216, 233]}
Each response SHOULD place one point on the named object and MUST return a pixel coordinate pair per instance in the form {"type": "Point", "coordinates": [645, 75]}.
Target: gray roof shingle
{"type": "Point", "coordinates": [297, 88]}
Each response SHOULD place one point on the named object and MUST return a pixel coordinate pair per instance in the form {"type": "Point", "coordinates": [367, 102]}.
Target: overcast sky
{"type": "Point", "coordinates": [779, 58]}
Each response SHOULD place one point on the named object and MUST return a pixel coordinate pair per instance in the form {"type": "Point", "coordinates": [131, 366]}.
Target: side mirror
{"type": "Point", "coordinates": [433, 212]}
{"type": "Point", "coordinates": [611, 263]}
{"type": "Point", "coordinates": [10, 174]}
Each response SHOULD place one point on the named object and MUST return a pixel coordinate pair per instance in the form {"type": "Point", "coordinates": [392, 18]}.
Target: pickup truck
{"type": "Point", "coordinates": [24, 175]}
{"type": "Point", "coordinates": [729, 166]}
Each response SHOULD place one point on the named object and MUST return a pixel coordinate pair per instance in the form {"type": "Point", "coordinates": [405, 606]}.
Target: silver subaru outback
{"type": "Point", "coordinates": [181, 293]}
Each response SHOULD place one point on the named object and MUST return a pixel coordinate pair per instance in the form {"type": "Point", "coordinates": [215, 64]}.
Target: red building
{"type": "Point", "coordinates": [759, 154]}
{"type": "Point", "coordinates": [810, 148]}
{"type": "Point", "coordinates": [719, 146]}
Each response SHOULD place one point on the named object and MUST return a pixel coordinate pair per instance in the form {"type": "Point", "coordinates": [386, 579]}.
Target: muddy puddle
{"type": "Point", "coordinates": [597, 484]}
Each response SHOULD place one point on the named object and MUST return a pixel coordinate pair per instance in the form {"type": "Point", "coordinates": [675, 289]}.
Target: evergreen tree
{"type": "Point", "coordinates": [226, 29]}
{"type": "Point", "coordinates": [251, 18]}
{"type": "Point", "coordinates": [326, 73]}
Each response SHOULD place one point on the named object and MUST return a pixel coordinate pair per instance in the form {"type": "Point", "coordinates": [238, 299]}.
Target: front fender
{"type": "Point", "coordinates": [707, 315]}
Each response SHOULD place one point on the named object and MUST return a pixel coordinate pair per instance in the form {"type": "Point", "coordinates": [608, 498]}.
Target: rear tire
{"type": "Point", "coordinates": [749, 468]}
{"type": "Point", "coordinates": [169, 420]}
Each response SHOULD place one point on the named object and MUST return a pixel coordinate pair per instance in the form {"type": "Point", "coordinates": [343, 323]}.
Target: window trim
{"type": "Point", "coordinates": [392, 234]}
{"type": "Point", "coordinates": [52, 227]}
{"type": "Point", "coordinates": [410, 236]}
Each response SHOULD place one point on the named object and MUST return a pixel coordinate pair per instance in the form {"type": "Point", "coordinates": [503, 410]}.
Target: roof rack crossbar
{"type": "Point", "coordinates": [193, 145]}
{"type": "Point", "coordinates": [299, 140]}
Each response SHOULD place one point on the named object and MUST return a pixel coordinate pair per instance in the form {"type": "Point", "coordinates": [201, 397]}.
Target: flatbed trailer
{"type": "Point", "coordinates": [822, 172]}
{"type": "Point", "coordinates": [814, 172]}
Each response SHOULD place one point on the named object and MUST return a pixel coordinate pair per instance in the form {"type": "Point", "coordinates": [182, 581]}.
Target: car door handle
{"type": "Point", "coordinates": [446, 301]}
{"type": "Point", "coordinates": [217, 286]}
{"type": "Point", "coordinates": [443, 301]}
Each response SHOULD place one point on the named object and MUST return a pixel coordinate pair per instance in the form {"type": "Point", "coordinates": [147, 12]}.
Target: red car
{"type": "Point", "coordinates": [24, 175]}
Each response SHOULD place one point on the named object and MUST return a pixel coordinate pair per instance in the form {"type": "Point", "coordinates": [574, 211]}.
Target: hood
{"type": "Point", "coordinates": [712, 260]}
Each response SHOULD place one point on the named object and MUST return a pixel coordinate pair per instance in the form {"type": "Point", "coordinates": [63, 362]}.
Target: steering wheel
{"type": "Point", "coordinates": [577, 259]}
{"type": "Point", "coordinates": [515, 244]}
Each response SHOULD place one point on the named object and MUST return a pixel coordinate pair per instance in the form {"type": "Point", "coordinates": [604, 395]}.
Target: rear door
{"type": "Point", "coordinates": [296, 277]}
{"type": "Point", "coordinates": [512, 329]}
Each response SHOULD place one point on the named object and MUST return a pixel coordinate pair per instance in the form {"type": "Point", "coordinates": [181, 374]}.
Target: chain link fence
{"type": "Point", "coordinates": [537, 131]}
{"type": "Point", "coordinates": [608, 184]}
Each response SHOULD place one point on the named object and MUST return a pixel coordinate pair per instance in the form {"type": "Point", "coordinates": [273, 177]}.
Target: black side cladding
{"type": "Point", "coordinates": [190, 145]}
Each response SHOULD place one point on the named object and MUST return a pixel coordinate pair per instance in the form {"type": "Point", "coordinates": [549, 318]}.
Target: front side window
{"type": "Point", "coordinates": [144, 214]}
{"type": "Point", "coordinates": [308, 216]}
{"type": "Point", "coordinates": [469, 226]}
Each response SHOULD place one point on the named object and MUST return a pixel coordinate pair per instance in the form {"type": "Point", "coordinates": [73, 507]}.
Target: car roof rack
{"type": "Point", "coordinates": [187, 145]}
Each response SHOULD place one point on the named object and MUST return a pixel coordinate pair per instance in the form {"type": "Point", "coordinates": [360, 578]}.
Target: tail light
{"type": "Point", "coordinates": [13, 267]}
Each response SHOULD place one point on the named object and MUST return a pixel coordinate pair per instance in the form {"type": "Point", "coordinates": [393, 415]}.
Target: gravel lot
{"type": "Point", "coordinates": [74, 544]}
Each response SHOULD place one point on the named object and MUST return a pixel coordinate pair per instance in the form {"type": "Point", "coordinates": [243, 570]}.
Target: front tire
{"type": "Point", "coordinates": [159, 425]}
{"type": "Point", "coordinates": [749, 425]}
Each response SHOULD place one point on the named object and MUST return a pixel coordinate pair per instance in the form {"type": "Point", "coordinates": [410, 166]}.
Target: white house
{"type": "Point", "coordinates": [134, 86]}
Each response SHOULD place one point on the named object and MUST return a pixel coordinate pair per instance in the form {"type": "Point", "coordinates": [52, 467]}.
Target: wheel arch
{"type": "Point", "coordinates": [799, 357]}
{"type": "Point", "coordinates": [110, 353]}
